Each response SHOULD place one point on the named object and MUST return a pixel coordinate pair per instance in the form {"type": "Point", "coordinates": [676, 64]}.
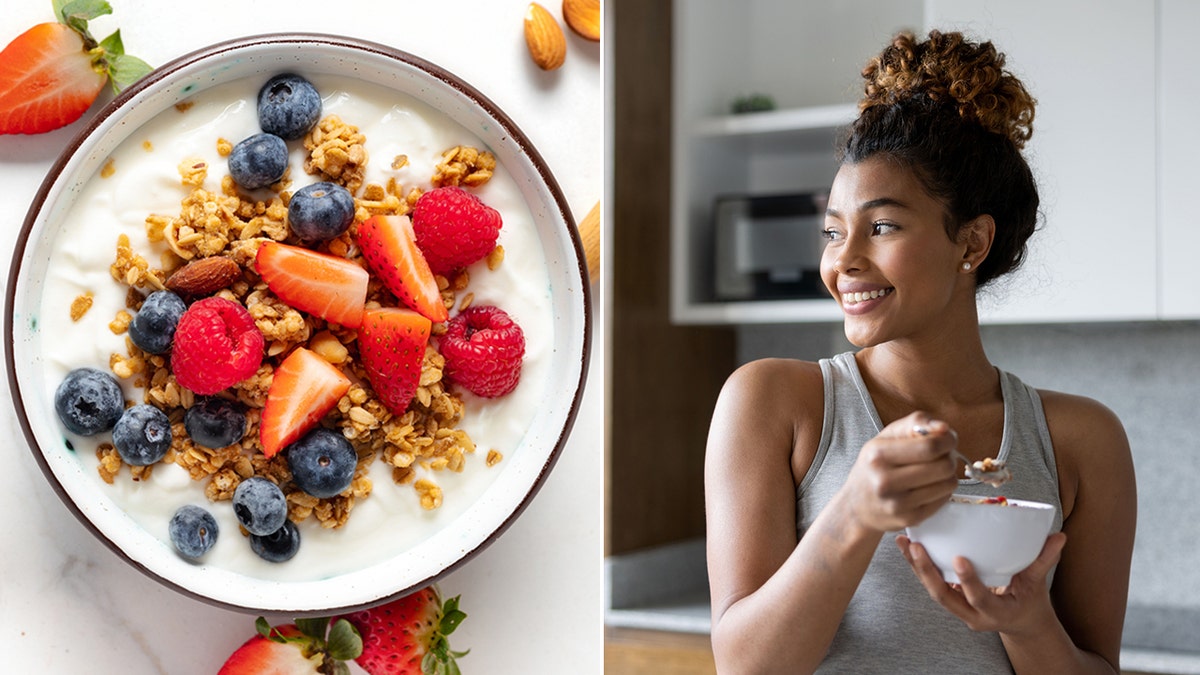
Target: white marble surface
{"type": "Point", "coordinates": [69, 605]}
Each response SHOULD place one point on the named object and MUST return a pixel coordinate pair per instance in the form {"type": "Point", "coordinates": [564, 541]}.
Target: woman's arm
{"type": "Point", "coordinates": [1074, 626]}
{"type": "Point", "coordinates": [777, 602]}
{"type": "Point", "coordinates": [1091, 584]}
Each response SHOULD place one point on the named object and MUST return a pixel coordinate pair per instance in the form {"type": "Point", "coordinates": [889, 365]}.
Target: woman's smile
{"type": "Point", "coordinates": [863, 301]}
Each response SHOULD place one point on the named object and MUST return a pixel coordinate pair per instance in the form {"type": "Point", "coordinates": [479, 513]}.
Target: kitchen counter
{"type": "Point", "coordinates": [666, 588]}
{"type": "Point", "coordinates": [69, 605]}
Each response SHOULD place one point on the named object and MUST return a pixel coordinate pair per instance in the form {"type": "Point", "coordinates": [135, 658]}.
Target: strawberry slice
{"type": "Point", "coordinates": [390, 248]}
{"type": "Point", "coordinates": [262, 656]}
{"type": "Point", "coordinates": [304, 388]}
{"type": "Point", "coordinates": [307, 646]}
{"type": "Point", "coordinates": [327, 286]}
{"type": "Point", "coordinates": [51, 73]}
{"type": "Point", "coordinates": [46, 80]}
{"type": "Point", "coordinates": [391, 344]}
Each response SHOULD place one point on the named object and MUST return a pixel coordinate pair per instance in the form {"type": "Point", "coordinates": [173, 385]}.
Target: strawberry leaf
{"type": "Point", "coordinates": [112, 45]}
{"type": "Point", "coordinates": [345, 642]}
{"type": "Point", "coordinates": [77, 13]}
{"type": "Point", "coordinates": [124, 70]}
{"type": "Point", "coordinates": [314, 628]}
{"type": "Point", "coordinates": [452, 616]}
{"type": "Point", "coordinates": [263, 627]}
{"type": "Point", "coordinates": [430, 664]}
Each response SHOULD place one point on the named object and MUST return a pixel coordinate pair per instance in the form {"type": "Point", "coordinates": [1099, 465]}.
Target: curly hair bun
{"type": "Point", "coordinates": [947, 68]}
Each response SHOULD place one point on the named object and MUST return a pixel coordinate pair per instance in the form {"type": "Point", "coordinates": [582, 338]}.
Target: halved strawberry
{"type": "Point", "coordinates": [262, 656]}
{"type": "Point", "coordinates": [409, 636]}
{"type": "Point", "coordinates": [390, 248]}
{"type": "Point", "coordinates": [304, 388]}
{"type": "Point", "coordinates": [307, 646]}
{"type": "Point", "coordinates": [391, 344]}
{"type": "Point", "coordinates": [51, 73]}
{"type": "Point", "coordinates": [327, 286]}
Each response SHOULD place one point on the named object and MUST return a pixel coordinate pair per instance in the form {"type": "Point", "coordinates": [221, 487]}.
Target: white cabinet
{"type": "Point", "coordinates": [1114, 149]}
{"type": "Point", "coordinates": [1179, 144]}
{"type": "Point", "coordinates": [1091, 67]}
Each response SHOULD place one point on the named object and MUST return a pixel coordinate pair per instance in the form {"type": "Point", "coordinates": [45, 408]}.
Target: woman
{"type": "Point", "coordinates": [812, 468]}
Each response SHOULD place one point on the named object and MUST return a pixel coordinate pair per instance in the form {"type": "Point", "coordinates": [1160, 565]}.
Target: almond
{"type": "Point", "coordinates": [547, 44]}
{"type": "Point", "coordinates": [589, 233]}
{"type": "Point", "coordinates": [583, 16]}
{"type": "Point", "coordinates": [204, 276]}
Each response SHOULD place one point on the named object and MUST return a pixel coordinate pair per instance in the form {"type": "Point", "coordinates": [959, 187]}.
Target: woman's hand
{"type": "Point", "coordinates": [1023, 606]}
{"type": "Point", "coordinates": [903, 475]}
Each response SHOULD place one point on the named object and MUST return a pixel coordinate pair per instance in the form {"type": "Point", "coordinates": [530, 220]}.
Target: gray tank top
{"type": "Point", "coordinates": [891, 624]}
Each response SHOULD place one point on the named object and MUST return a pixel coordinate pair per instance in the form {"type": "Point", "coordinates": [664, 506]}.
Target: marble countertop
{"type": "Point", "coordinates": [69, 605]}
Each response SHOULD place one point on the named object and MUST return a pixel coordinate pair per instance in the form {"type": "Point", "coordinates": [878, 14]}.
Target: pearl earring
{"type": "Point", "coordinates": [966, 267]}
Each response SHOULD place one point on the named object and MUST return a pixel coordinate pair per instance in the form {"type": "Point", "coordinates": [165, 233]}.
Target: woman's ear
{"type": "Point", "coordinates": [976, 238]}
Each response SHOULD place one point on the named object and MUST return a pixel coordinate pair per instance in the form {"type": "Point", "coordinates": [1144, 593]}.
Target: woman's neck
{"type": "Point", "coordinates": [938, 373]}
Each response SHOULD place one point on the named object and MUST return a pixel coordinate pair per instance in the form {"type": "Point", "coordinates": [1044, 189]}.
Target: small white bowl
{"type": "Point", "coordinates": [520, 474]}
{"type": "Point", "coordinates": [1000, 540]}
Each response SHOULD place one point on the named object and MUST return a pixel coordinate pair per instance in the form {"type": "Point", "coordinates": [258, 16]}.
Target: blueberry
{"type": "Point", "coordinates": [258, 161]}
{"type": "Point", "coordinates": [278, 546]}
{"type": "Point", "coordinates": [215, 422]}
{"type": "Point", "coordinates": [322, 463]}
{"type": "Point", "coordinates": [320, 211]}
{"type": "Point", "coordinates": [89, 401]}
{"type": "Point", "coordinates": [288, 106]}
{"type": "Point", "coordinates": [154, 326]}
{"type": "Point", "coordinates": [142, 435]}
{"type": "Point", "coordinates": [259, 505]}
{"type": "Point", "coordinates": [193, 531]}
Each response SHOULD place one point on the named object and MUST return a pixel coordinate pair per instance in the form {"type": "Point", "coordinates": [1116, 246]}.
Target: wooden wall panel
{"type": "Point", "coordinates": [664, 378]}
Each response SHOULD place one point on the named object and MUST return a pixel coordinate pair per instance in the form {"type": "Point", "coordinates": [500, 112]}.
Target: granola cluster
{"type": "Point", "coordinates": [464, 165]}
{"type": "Point", "coordinates": [232, 224]}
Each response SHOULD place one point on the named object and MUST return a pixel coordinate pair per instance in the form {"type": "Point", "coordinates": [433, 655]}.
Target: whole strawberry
{"type": "Point", "coordinates": [51, 73]}
{"type": "Point", "coordinates": [409, 636]}
{"type": "Point", "coordinates": [484, 349]}
{"type": "Point", "coordinates": [454, 228]}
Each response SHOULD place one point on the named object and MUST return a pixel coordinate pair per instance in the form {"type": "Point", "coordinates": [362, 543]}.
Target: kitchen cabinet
{"type": "Point", "coordinates": [1113, 146]}
{"type": "Point", "coordinates": [1091, 66]}
{"type": "Point", "coordinates": [1179, 144]}
{"type": "Point", "coordinates": [806, 56]}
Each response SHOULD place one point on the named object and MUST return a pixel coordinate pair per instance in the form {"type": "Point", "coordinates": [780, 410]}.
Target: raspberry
{"type": "Point", "coordinates": [483, 348]}
{"type": "Point", "coordinates": [216, 346]}
{"type": "Point", "coordinates": [453, 228]}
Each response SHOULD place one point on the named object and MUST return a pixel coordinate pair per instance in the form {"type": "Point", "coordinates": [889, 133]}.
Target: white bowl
{"type": "Point", "coordinates": [1000, 540]}
{"type": "Point", "coordinates": [560, 379]}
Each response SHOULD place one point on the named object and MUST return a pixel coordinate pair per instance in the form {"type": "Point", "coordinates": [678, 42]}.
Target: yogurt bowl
{"type": "Point", "coordinates": [999, 536]}
{"type": "Point", "coordinates": [124, 167]}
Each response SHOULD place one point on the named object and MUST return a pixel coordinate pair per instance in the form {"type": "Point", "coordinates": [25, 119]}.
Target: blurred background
{"type": "Point", "coordinates": [722, 119]}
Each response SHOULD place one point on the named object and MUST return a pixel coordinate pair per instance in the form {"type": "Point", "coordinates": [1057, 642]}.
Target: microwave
{"type": "Point", "coordinates": [768, 247]}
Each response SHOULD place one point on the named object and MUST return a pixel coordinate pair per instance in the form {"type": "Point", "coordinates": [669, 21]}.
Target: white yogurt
{"type": "Point", "coordinates": [146, 181]}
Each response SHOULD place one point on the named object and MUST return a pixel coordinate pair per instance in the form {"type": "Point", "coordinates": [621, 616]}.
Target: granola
{"type": "Point", "coordinates": [232, 224]}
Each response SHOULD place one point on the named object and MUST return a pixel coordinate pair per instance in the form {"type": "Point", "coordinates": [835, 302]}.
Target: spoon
{"type": "Point", "coordinates": [987, 470]}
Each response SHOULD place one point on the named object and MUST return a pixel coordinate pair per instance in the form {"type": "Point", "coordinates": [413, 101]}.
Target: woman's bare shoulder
{"type": "Point", "coordinates": [776, 402]}
{"type": "Point", "coordinates": [1075, 418]}
{"type": "Point", "coordinates": [773, 384]}
{"type": "Point", "coordinates": [1090, 445]}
